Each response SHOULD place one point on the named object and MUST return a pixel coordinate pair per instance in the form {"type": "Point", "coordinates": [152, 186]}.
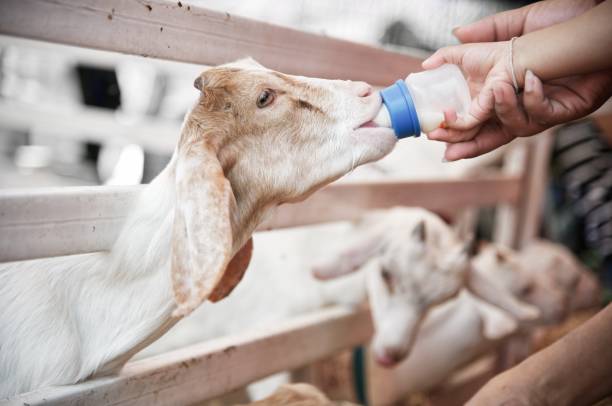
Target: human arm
{"type": "Point", "coordinates": [489, 76]}
{"type": "Point", "coordinates": [520, 21]}
{"type": "Point", "coordinates": [575, 370]}
{"type": "Point", "coordinates": [577, 46]}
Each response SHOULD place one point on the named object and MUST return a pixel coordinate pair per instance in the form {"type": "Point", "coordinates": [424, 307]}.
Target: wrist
{"type": "Point", "coordinates": [519, 62]}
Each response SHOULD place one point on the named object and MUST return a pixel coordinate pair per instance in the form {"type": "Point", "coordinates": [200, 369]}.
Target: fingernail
{"type": "Point", "coordinates": [529, 81]}
{"type": "Point", "coordinates": [444, 160]}
{"type": "Point", "coordinates": [454, 31]}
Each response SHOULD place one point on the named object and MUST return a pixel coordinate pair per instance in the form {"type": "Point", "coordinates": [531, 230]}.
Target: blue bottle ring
{"type": "Point", "coordinates": [399, 103]}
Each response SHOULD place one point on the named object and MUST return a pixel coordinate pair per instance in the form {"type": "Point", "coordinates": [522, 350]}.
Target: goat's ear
{"type": "Point", "coordinates": [419, 231]}
{"type": "Point", "coordinates": [496, 323]}
{"type": "Point", "coordinates": [351, 257]}
{"type": "Point", "coordinates": [490, 292]}
{"type": "Point", "coordinates": [378, 292]}
{"type": "Point", "coordinates": [234, 272]}
{"type": "Point", "coordinates": [199, 83]}
{"type": "Point", "coordinates": [202, 233]}
{"type": "Point", "coordinates": [248, 62]}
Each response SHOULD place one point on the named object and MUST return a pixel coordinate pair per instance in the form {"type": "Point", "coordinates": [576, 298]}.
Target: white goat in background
{"type": "Point", "coordinates": [461, 329]}
{"type": "Point", "coordinates": [413, 261]}
{"type": "Point", "coordinates": [254, 139]}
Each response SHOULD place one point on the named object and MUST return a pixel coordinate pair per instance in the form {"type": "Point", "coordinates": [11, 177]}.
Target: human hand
{"type": "Point", "coordinates": [543, 106]}
{"type": "Point", "coordinates": [484, 65]}
{"type": "Point", "coordinates": [514, 23]}
{"type": "Point", "coordinates": [540, 107]}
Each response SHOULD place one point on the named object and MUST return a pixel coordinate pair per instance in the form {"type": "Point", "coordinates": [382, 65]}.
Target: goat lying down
{"type": "Point", "coordinates": [254, 139]}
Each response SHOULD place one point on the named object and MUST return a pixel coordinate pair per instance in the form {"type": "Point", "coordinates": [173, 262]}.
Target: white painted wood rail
{"type": "Point", "coordinates": [91, 124]}
{"type": "Point", "coordinates": [181, 32]}
{"type": "Point", "coordinates": [76, 220]}
{"type": "Point", "coordinates": [215, 367]}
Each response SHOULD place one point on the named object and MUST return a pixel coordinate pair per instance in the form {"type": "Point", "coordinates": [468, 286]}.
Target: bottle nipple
{"type": "Point", "coordinates": [383, 119]}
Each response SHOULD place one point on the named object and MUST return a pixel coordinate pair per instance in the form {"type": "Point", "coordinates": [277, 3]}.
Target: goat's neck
{"type": "Point", "coordinates": [130, 299]}
{"type": "Point", "coordinates": [141, 256]}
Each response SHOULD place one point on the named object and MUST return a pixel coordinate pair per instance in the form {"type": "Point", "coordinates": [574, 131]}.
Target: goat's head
{"type": "Point", "coordinates": [557, 273]}
{"type": "Point", "coordinates": [254, 139]}
{"type": "Point", "coordinates": [413, 261]}
{"type": "Point", "coordinates": [514, 274]}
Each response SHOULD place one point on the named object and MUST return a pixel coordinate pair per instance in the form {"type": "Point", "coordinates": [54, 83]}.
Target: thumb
{"type": "Point", "coordinates": [496, 27]}
{"type": "Point", "coordinates": [479, 31]}
{"type": "Point", "coordinates": [452, 54]}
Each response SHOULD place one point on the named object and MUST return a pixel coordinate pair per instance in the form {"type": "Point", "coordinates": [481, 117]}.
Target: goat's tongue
{"type": "Point", "coordinates": [369, 124]}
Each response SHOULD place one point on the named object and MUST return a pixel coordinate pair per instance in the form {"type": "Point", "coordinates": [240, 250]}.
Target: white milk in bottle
{"type": "Point", "coordinates": [417, 104]}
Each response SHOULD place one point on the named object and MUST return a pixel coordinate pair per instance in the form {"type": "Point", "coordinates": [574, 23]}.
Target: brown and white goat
{"type": "Point", "coordinates": [254, 139]}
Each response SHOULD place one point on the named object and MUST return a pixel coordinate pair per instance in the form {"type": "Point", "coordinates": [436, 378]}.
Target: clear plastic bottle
{"type": "Point", "coordinates": [417, 104]}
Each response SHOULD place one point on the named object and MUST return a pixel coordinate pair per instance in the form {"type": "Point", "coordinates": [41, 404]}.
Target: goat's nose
{"type": "Point", "coordinates": [360, 89]}
{"type": "Point", "coordinates": [388, 358]}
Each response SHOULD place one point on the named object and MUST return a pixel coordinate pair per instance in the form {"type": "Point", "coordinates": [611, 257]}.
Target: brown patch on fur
{"type": "Point", "coordinates": [234, 272]}
{"type": "Point", "coordinates": [288, 80]}
{"type": "Point", "coordinates": [303, 104]}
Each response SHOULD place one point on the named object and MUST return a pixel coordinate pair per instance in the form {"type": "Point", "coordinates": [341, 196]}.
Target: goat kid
{"type": "Point", "coordinates": [453, 334]}
{"type": "Point", "coordinates": [558, 268]}
{"type": "Point", "coordinates": [546, 275]}
{"type": "Point", "coordinates": [413, 261]}
{"type": "Point", "coordinates": [254, 139]}
{"type": "Point", "coordinates": [543, 274]}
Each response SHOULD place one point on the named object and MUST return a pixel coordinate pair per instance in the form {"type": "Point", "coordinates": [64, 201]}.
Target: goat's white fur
{"type": "Point", "coordinates": [64, 318]}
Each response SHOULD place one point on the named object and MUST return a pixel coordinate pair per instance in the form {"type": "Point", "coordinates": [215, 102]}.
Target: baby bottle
{"type": "Point", "coordinates": [417, 104]}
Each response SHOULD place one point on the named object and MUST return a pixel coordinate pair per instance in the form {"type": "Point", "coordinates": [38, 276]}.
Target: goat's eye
{"type": "Point", "coordinates": [265, 98]}
{"type": "Point", "coordinates": [526, 289]}
{"type": "Point", "coordinates": [386, 276]}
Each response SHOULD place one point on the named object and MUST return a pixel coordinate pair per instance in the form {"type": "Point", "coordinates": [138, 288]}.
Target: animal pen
{"type": "Point", "coordinates": [64, 221]}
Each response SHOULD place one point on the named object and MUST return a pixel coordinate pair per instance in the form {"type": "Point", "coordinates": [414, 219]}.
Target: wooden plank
{"type": "Point", "coordinates": [91, 124]}
{"type": "Point", "coordinates": [178, 31]}
{"type": "Point", "coordinates": [348, 201]}
{"type": "Point", "coordinates": [507, 215]}
{"type": "Point", "coordinates": [209, 369]}
{"type": "Point", "coordinates": [534, 189]}
{"type": "Point", "coordinates": [604, 122]}
{"type": "Point", "coordinates": [62, 221]}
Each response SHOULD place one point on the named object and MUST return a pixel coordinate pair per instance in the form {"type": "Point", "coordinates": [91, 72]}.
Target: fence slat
{"type": "Point", "coordinates": [215, 367]}
{"type": "Point", "coordinates": [76, 220]}
{"type": "Point", "coordinates": [91, 124]}
{"type": "Point", "coordinates": [348, 201]}
{"type": "Point", "coordinates": [182, 32]}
